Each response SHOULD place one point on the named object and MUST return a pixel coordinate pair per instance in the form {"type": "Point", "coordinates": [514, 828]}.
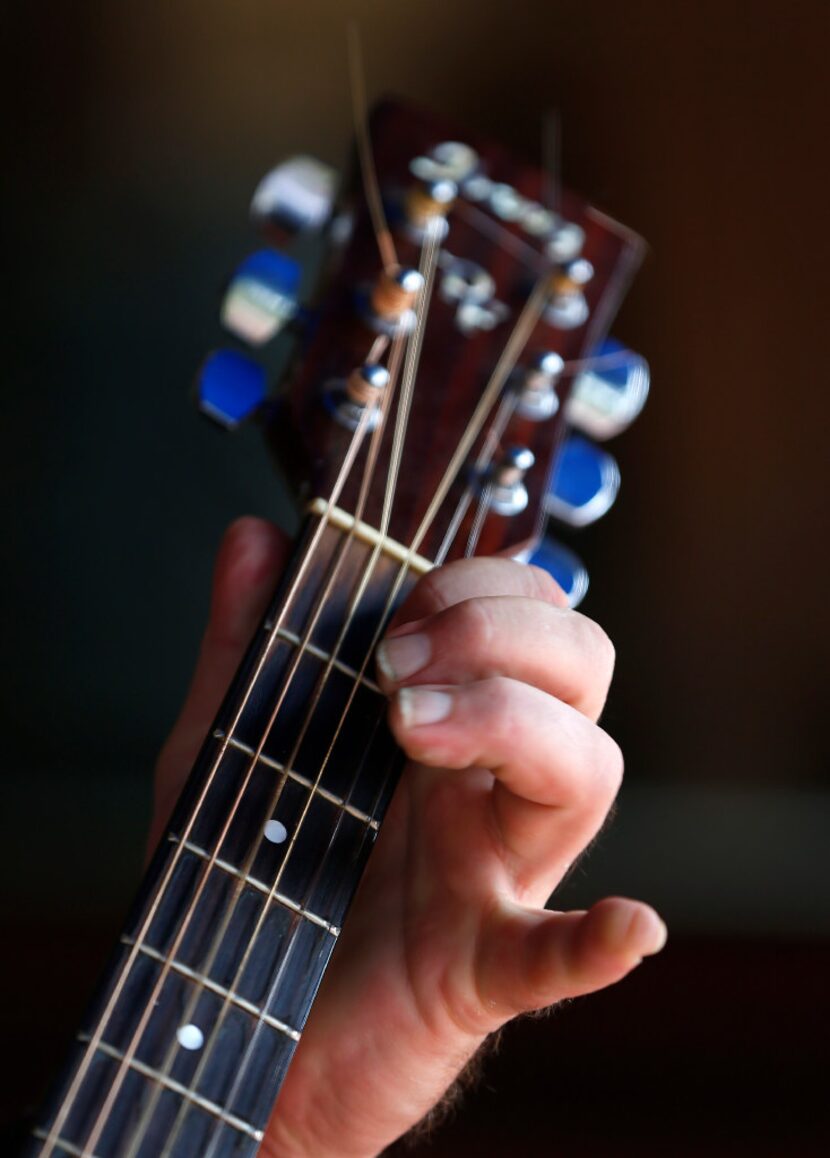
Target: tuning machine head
{"type": "Point", "coordinates": [506, 490]}
{"type": "Point", "coordinates": [388, 306]}
{"type": "Point", "coordinates": [230, 387]}
{"type": "Point", "coordinates": [347, 400]}
{"type": "Point", "coordinates": [536, 386]}
{"type": "Point", "coordinates": [568, 306]}
{"type": "Point", "coordinates": [426, 206]}
{"type": "Point", "coordinates": [608, 395]}
{"type": "Point", "coordinates": [584, 483]}
{"type": "Point", "coordinates": [296, 196]}
{"type": "Point", "coordinates": [261, 298]}
{"type": "Point", "coordinates": [564, 565]}
{"type": "Point", "coordinates": [564, 241]}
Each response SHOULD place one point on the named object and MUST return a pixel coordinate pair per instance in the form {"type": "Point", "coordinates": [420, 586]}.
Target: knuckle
{"type": "Point", "coordinates": [431, 588]}
{"type": "Point", "coordinates": [609, 762]}
{"type": "Point", "coordinates": [600, 650]}
{"type": "Point", "coordinates": [543, 584]}
{"type": "Point", "coordinates": [500, 710]}
{"type": "Point", "coordinates": [472, 625]}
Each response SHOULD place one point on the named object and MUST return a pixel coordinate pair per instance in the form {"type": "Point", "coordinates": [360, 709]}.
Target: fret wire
{"type": "Point", "coordinates": [318, 653]}
{"type": "Point", "coordinates": [179, 1088]}
{"type": "Point", "coordinates": [260, 886]}
{"type": "Point", "coordinates": [64, 1144]}
{"type": "Point", "coordinates": [299, 778]}
{"type": "Point", "coordinates": [80, 1073]}
{"type": "Point", "coordinates": [214, 987]}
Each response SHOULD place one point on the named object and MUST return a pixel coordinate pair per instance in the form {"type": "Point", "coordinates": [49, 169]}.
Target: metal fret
{"type": "Point", "coordinates": [311, 649]}
{"type": "Point", "coordinates": [298, 778]}
{"type": "Point", "coordinates": [259, 885]}
{"type": "Point", "coordinates": [214, 987]}
{"type": "Point", "coordinates": [177, 1088]}
{"type": "Point", "coordinates": [63, 1144]}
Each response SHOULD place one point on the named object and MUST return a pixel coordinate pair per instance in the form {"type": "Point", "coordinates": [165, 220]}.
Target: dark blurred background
{"type": "Point", "coordinates": [136, 135]}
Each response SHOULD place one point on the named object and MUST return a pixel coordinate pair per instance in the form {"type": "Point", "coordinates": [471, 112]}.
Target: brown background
{"type": "Point", "coordinates": [137, 133]}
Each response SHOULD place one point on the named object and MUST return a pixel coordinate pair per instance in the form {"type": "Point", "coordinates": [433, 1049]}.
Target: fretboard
{"type": "Point", "coordinates": [192, 1030]}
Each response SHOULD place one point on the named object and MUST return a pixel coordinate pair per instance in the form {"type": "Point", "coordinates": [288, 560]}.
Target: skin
{"type": "Point", "coordinates": [448, 937]}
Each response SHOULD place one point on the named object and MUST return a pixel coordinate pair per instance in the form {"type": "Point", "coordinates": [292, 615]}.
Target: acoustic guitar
{"type": "Point", "coordinates": [433, 359]}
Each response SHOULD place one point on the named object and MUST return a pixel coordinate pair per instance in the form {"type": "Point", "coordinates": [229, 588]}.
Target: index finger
{"type": "Point", "coordinates": [472, 578]}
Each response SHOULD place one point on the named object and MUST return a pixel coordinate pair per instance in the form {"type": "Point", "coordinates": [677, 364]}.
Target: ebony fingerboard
{"type": "Point", "coordinates": [190, 1035]}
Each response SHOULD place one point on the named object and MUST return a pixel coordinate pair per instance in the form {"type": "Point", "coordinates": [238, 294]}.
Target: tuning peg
{"type": "Point", "coordinates": [426, 206]}
{"type": "Point", "coordinates": [566, 568]}
{"type": "Point", "coordinates": [565, 241]}
{"type": "Point", "coordinates": [347, 400]}
{"type": "Point", "coordinates": [609, 394]}
{"type": "Point", "coordinates": [388, 307]}
{"type": "Point", "coordinates": [230, 387]}
{"type": "Point", "coordinates": [584, 483]}
{"type": "Point", "coordinates": [507, 492]}
{"type": "Point", "coordinates": [568, 307]}
{"type": "Point", "coordinates": [261, 297]}
{"type": "Point", "coordinates": [537, 397]}
{"type": "Point", "coordinates": [295, 196]}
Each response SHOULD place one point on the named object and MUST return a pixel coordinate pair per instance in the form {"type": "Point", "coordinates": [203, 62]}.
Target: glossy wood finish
{"type": "Point", "coordinates": [454, 367]}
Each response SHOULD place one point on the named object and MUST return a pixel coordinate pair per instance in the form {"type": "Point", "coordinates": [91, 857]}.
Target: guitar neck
{"type": "Point", "coordinates": [190, 1036]}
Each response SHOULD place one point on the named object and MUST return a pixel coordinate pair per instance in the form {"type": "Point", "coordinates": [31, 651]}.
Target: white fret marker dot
{"type": "Point", "coordinates": [275, 831]}
{"type": "Point", "coordinates": [190, 1037]}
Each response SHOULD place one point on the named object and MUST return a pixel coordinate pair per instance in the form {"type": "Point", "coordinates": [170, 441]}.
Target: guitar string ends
{"type": "Point", "coordinates": [392, 300]}
{"type": "Point", "coordinates": [348, 399]}
{"type": "Point", "coordinates": [506, 491]}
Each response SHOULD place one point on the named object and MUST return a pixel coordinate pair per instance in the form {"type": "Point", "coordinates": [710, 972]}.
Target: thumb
{"type": "Point", "coordinates": [250, 558]}
{"type": "Point", "coordinates": [530, 959]}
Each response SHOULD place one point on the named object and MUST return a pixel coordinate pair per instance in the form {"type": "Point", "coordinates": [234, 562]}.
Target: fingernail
{"type": "Point", "coordinates": [649, 931]}
{"type": "Point", "coordinates": [423, 706]}
{"type": "Point", "coordinates": [402, 656]}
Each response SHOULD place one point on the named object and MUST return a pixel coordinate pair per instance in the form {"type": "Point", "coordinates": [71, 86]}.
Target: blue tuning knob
{"type": "Point", "coordinates": [261, 297]}
{"type": "Point", "coordinates": [230, 387]}
{"type": "Point", "coordinates": [566, 568]}
{"type": "Point", "coordinates": [607, 397]}
{"type": "Point", "coordinates": [584, 483]}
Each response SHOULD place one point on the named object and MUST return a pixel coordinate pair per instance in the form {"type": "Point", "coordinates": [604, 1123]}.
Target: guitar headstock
{"type": "Point", "coordinates": [454, 362]}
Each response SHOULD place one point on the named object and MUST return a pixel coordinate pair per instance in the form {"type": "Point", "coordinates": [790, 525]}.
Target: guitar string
{"type": "Point", "coordinates": [83, 1065]}
{"type": "Point", "coordinates": [427, 268]}
{"type": "Point", "coordinates": [371, 187]}
{"type": "Point", "coordinates": [377, 349]}
{"type": "Point", "coordinates": [488, 450]}
{"type": "Point", "coordinates": [245, 869]}
{"type": "Point", "coordinates": [552, 160]}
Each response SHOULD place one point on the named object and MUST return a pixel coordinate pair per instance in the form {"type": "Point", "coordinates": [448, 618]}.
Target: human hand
{"type": "Point", "coordinates": [447, 938]}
